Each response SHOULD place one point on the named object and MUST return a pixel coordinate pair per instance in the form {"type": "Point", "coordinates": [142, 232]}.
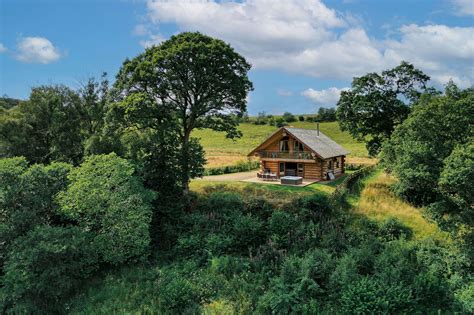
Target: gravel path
{"type": "Point", "coordinates": [230, 177]}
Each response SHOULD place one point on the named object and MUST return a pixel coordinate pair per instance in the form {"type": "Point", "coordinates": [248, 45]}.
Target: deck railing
{"type": "Point", "coordinates": [286, 155]}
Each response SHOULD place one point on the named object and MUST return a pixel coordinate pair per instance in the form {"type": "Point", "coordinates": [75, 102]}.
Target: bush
{"type": "Point", "coordinates": [289, 117]}
{"type": "Point", "coordinates": [45, 267]}
{"type": "Point", "coordinates": [310, 119]}
{"type": "Point", "coordinates": [241, 166]}
{"type": "Point", "coordinates": [393, 229]}
{"type": "Point", "coordinates": [280, 122]}
{"type": "Point", "coordinates": [301, 118]}
{"type": "Point", "coordinates": [36, 188]}
{"type": "Point", "coordinates": [104, 197]}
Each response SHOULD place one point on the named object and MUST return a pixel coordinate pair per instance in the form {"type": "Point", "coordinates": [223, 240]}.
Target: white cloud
{"type": "Point", "coordinates": [2, 48]}
{"type": "Point", "coordinates": [309, 38]}
{"type": "Point", "coordinates": [328, 96]}
{"type": "Point", "coordinates": [464, 7]}
{"type": "Point", "coordinates": [153, 40]}
{"type": "Point", "coordinates": [37, 50]}
{"type": "Point", "coordinates": [442, 52]}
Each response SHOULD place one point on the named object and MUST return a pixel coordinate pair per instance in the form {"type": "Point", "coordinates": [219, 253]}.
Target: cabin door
{"type": "Point", "coordinates": [290, 169]}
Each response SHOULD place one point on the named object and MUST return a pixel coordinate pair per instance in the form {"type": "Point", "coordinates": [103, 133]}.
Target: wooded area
{"type": "Point", "coordinates": [97, 216]}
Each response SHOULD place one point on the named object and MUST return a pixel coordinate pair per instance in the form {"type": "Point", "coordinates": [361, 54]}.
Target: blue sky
{"type": "Point", "coordinates": [303, 52]}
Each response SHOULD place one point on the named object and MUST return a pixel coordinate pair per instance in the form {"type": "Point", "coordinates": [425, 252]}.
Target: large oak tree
{"type": "Point", "coordinates": [376, 103]}
{"type": "Point", "coordinates": [189, 81]}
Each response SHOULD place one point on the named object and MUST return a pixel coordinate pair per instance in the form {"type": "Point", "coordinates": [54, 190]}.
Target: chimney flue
{"type": "Point", "coordinates": [317, 128]}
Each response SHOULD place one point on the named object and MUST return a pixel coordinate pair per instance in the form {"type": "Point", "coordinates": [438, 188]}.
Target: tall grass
{"type": "Point", "coordinates": [378, 202]}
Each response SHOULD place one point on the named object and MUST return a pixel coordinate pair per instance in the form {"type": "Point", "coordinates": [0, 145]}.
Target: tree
{"type": "Point", "coordinates": [28, 197]}
{"type": "Point", "coordinates": [288, 117]}
{"type": "Point", "coordinates": [45, 267]}
{"type": "Point", "coordinates": [430, 153]}
{"type": "Point", "coordinates": [191, 81]}
{"type": "Point", "coordinates": [326, 114]}
{"type": "Point", "coordinates": [44, 128]}
{"type": "Point", "coordinates": [377, 103]}
{"type": "Point", "coordinates": [105, 198]}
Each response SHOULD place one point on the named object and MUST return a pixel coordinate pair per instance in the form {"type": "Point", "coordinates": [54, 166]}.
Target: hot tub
{"type": "Point", "coordinates": [291, 180]}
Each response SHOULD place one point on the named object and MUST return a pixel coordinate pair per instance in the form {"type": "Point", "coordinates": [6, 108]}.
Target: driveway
{"type": "Point", "coordinates": [230, 177]}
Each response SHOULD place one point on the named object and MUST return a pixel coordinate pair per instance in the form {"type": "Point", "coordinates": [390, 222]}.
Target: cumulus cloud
{"type": "Point", "coordinates": [37, 50]}
{"type": "Point", "coordinates": [309, 38]}
{"type": "Point", "coordinates": [464, 7]}
{"type": "Point", "coordinates": [2, 48]}
{"type": "Point", "coordinates": [328, 96]}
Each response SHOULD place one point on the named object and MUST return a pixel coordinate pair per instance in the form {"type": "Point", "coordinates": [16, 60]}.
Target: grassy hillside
{"type": "Point", "coordinates": [377, 202]}
{"type": "Point", "coordinates": [222, 151]}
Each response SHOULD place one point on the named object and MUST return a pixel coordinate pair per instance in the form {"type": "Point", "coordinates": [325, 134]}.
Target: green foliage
{"type": "Point", "coordinates": [456, 183]}
{"type": "Point", "coordinates": [431, 154]}
{"type": "Point", "coordinates": [27, 197]}
{"type": "Point", "coordinates": [105, 198]}
{"type": "Point", "coordinates": [372, 108]}
{"type": "Point", "coordinates": [45, 128]}
{"type": "Point", "coordinates": [45, 267]}
{"type": "Point", "coordinates": [241, 166]}
{"type": "Point", "coordinates": [212, 94]}
{"type": "Point", "coordinates": [301, 118]}
{"type": "Point", "coordinates": [392, 229]}
{"type": "Point", "coordinates": [326, 114]}
{"type": "Point", "coordinates": [288, 117]}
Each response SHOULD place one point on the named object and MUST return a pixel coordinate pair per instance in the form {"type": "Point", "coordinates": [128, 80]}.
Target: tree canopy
{"type": "Point", "coordinates": [189, 81]}
{"type": "Point", "coordinates": [105, 197]}
{"type": "Point", "coordinates": [377, 103]}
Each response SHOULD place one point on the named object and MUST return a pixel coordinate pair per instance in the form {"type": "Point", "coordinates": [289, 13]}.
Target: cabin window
{"type": "Point", "coordinates": [337, 163]}
{"type": "Point", "coordinates": [284, 146]}
{"type": "Point", "coordinates": [298, 146]}
{"type": "Point", "coordinates": [282, 169]}
{"type": "Point", "coordinates": [331, 165]}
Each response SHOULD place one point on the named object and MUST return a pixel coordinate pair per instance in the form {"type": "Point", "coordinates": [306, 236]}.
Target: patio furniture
{"type": "Point", "coordinates": [291, 180]}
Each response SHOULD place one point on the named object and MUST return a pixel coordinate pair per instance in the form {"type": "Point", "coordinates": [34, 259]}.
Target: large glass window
{"type": "Point", "coordinates": [298, 146]}
{"type": "Point", "coordinates": [284, 146]}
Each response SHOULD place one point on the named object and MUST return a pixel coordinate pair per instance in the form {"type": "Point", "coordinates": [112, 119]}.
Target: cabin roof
{"type": "Point", "coordinates": [320, 144]}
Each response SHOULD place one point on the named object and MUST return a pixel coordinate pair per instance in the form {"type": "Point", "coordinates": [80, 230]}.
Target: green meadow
{"type": "Point", "coordinates": [222, 151]}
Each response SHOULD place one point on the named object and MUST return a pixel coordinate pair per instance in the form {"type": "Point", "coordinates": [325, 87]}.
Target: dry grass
{"type": "Point", "coordinates": [361, 160]}
{"type": "Point", "coordinates": [378, 202]}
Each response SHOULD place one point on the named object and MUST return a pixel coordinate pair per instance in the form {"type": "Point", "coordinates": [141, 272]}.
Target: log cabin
{"type": "Point", "coordinates": [305, 153]}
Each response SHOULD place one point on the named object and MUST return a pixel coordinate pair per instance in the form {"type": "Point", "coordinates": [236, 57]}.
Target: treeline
{"type": "Point", "coordinates": [424, 137]}
{"type": "Point", "coordinates": [324, 115]}
{"type": "Point", "coordinates": [97, 216]}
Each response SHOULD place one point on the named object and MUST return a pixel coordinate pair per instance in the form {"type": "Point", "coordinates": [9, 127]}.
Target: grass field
{"type": "Point", "coordinates": [378, 202]}
{"type": "Point", "coordinates": [222, 151]}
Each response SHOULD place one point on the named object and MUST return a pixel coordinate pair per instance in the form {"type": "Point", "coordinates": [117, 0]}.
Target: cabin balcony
{"type": "Point", "coordinates": [282, 155]}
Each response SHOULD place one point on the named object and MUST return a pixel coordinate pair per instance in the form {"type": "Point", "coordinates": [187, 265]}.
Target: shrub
{"type": "Point", "coordinates": [301, 118]}
{"type": "Point", "coordinates": [241, 166]}
{"type": "Point", "coordinates": [309, 119]}
{"type": "Point", "coordinates": [289, 117]}
{"type": "Point", "coordinates": [104, 197]}
{"type": "Point", "coordinates": [45, 267]}
{"type": "Point", "coordinates": [368, 295]}
{"type": "Point", "coordinates": [27, 197]}
{"type": "Point", "coordinates": [248, 231]}
{"type": "Point", "coordinates": [280, 122]}
{"type": "Point", "coordinates": [392, 229]}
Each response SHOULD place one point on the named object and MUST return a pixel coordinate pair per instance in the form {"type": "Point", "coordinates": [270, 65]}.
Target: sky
{"type": "Point", "coordinates": [303, 52]}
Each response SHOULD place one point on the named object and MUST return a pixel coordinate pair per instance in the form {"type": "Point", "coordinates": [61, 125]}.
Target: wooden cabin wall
{"type": "Point", "coordinates": [312, 170]}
